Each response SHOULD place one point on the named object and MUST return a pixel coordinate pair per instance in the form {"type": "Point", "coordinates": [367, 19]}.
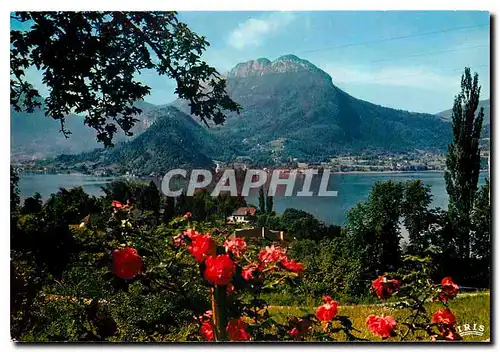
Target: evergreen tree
{"type": "Point", "coordinates": [262, 201]}
{"type": "Point", "coordinates": [269, 204]}
{"type": "Point", "coordinates": [463, 160]}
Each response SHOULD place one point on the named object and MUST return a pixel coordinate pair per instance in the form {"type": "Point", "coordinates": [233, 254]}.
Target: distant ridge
{"type": "Point", "coordinates": [486, 132]}
{"type": "Point", "coordinates": [38, 136]}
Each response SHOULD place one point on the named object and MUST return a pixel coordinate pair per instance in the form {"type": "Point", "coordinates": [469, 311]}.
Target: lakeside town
{"type": "Point", "coordinates": [368, 162]}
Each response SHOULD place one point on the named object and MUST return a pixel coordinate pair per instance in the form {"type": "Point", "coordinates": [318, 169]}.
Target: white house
{"type": "Point", "coordinates": [242, 215]}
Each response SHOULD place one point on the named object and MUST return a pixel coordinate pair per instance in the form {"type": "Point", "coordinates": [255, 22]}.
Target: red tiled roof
{"type": "Point", "coordinates": [245, 211]}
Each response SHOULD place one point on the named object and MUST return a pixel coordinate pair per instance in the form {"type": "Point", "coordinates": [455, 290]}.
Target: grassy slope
{"type": "Point", "coordinates": [468, 309]}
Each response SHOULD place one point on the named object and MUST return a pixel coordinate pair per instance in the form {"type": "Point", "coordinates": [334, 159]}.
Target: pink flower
{"type": "Point", "coordinates": [180, 239]}
{"type": "Point", "coordinates": [207, 316]}
{"type": "Point", "coordinates": [444, 316]}
{"type": "Point", "coordinates": [294, 332]}
{"type": "Point", "coordinates": [272, 254]}
{"type": "Point", "coordinates": [292, 265]}
{"type": "Point", "coordinates": [382, 326]}
{"type": "Point", "coordinates": [236, 245]}
{"type": "Point", "coordinates": [247, 272]}
{"type": "Point", "coordinates": [327, 311]}
{"type": "Point", "coordinates": [188, 215]}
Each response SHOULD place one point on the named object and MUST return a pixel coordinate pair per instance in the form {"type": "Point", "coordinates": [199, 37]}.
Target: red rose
{"type": "Point", "coordinates": [327, 311]}
{"type": "Point", "coordinates": [201, 247]}
{"type": "Point", "coordinates": [117, 204]}
{"type": "Point", "coordinates": [382, 326]}
{"type": "Point", "coordinates": [384, 288]}
{"type": "Point", "coordinates": [219, 270]}
{"type": "Point", "coordinates": [126, 263]}
{"type": "Point", "coordinates": [207, 331]}
{"type": "Point", "coordinates": [236, 330]}
{"type": "Point", "coordinates": [449, 289]}
{"type": "Point", "coordinates": [247, 272]}
{"type": "Point", "coordinates": [444, 316]}
{"type": "Point", "coordinates": [272, 254]}
{"type": "Point", "coordinates": [292, 265]}
{"type": "Point", "coordinates": [236, 245]}
{"type": "Point", "coordinates": [187, 215]}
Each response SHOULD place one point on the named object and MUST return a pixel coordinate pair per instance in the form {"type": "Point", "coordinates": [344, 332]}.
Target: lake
{"type": "Point", "coordinates": [351, 188]}
{"type": "Point", "coordinates": [48, 184]}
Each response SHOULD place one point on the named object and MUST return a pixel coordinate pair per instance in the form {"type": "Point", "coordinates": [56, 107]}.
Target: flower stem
{"type": "Point", "coordinates": [219, 312]}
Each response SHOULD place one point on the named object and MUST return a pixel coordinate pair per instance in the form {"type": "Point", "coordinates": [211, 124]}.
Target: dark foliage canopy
{"type": "Point", "coordinates": [91, 60]}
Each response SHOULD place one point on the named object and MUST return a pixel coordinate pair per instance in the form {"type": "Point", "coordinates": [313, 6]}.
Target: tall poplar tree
{"type": "Point", "coordinates": [463, 161]}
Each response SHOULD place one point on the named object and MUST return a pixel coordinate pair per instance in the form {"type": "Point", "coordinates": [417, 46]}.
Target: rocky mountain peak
{"type": "Point", "coordinates": [263, 66]}
{"type": "Point", "coordinates": [251, 68]}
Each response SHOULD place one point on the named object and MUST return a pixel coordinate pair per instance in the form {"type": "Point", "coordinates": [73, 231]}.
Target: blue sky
{"type": "Point", "coordinates": [420, 73]}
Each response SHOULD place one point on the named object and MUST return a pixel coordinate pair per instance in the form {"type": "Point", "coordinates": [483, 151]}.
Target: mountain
{"type": "Point", "coordinates": [485, 104]}
{"type": "Point", "coordinates": [35, 136]}
{"type": "Point", "coordinates": [293, 109]}
{"type": "Point", "coordinates": [173, 140]}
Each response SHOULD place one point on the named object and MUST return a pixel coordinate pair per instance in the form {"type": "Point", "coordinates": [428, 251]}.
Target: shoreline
{"type": "Point", "coordinates": [77, 174]}
{"type": "Point", "coordinates": [387, 172]}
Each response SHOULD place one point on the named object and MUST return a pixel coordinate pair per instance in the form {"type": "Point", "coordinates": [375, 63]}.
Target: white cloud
{"type": "Point", "coordinates": [414, 76]}
{"type": "Point", "coordinates": [252, 32]}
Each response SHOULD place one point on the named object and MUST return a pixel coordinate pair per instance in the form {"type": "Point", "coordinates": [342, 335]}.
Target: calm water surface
{"type": "Point", "coordinates": [48, 184]}
{"type": "Point", "coordinates": [354, 188]}
{"type": "Point", "coordinates": [351, 188]}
